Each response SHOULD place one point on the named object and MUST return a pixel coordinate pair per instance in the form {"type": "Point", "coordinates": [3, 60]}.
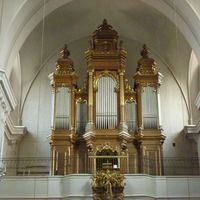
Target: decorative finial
{"type": "Point", "coordinates": [145, 52]}
{"type": "Point", "coordinates": [65, 52]}
{"type": "Point", "coordinates": [105, 22]}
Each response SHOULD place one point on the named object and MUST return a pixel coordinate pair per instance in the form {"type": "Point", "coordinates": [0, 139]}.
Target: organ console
{"type": "Point", "coordinates": [107, 120]}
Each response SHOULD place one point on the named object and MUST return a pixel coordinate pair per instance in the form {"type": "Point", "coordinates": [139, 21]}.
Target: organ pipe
{"type": "Point", "coordinates": [150, 111]}
{"type": "Point", "coordinates": [62, 108]}
{"type": "Point", "coordinates": [81, 117]}
{"type": "Point", "coordinates": [159, 108]}
{"type": "Point", "coordinates": [106, 104]}
{"type": "Point", "coordinates": [130, 110]}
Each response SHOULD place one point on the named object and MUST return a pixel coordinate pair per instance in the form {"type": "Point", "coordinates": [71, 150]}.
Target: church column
{"type": "Point", "coordinates": [10, 135]}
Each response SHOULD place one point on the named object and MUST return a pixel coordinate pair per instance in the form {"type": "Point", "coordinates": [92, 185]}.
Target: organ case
{"type": "Point", "coordinates": [106, 122]}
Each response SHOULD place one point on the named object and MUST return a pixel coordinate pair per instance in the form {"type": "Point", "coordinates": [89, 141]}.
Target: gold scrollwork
{"type": "Point", "coordinates": [106, 74]}
{"type": "Point", "coordinates": [106, 146]}
{"type": "Point", "coordinates": [130, 100]}
{"type": "Point", "coordinates": [108, 183]}
{"type": "Point", "coordinates": [80, 100]}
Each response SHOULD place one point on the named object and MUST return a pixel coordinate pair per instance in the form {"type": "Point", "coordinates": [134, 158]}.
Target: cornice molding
{"type": "Point", "coordinates": [197, 101]}
{"type": "Point", "coordinates": [14, 133]}
{"type": "Point", "coordinates": [193, 131]}
{"type": "Point", "coordinates": [6, 92]}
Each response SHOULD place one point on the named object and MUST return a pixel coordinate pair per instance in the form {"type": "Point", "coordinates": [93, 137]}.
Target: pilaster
{"type": "Point", "coordinates": [9, 134]}
{"type": "Point", "coordinates": [8, 102]}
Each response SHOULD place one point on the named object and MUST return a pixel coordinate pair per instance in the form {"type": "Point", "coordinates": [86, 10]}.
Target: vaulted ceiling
{"type": "Point", "coordinates": [40, 28]}
{"type": "Point", "coordinates": [73, 23]}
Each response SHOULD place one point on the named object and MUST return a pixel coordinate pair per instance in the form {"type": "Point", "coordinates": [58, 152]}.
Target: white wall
{"type": "Point", "coordinates": [174, 117]}
{"type": "Point", "coordinates": [78, 187]}
{"type": "Point", "coordinates": [37, 117]}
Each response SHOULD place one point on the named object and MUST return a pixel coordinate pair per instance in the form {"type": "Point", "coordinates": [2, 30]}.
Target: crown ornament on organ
{"type": "Point", "coordinates": [105, 31]}
{"type": "Point", "coordinates": [64, 64]}
{"type": "Point", "coordinates": [65, 52]}
{"type": "Point", "coordinates": [146, 65]}
{"type": "Point", "coordinates": [105, 38]}
{"type": "Point", "coordinates": [145, 52]}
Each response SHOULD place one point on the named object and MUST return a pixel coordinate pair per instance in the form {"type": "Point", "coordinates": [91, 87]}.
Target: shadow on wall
{"type": "Point", "coordinates": [182, 164]}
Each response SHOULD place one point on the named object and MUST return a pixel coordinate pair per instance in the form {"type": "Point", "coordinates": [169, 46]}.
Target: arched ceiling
{"type": "Point", "coordinates": [74, 21]}
{"type": "Point", "coordinates": [135, 21]}
{"type": "Point", "coordinates": [39, 29]}
{"type": "Point", "coordinates": [28, 14]}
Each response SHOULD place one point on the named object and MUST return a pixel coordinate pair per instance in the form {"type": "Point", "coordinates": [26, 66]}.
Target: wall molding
{"type": "Point", "coordinates": [78, 186]}
{"type": "Point", "coordinates": [8, 103]}
{"type": "Point", "coordinates": [14, 133]}
{"type": "Point", "coordinates": [193, 131]}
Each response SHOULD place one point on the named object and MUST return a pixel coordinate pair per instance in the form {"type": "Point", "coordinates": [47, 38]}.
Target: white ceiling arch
{"type": "Point", "coordinates": [184, 16]}
{"type": "Point", "coordinates": [30, 15]}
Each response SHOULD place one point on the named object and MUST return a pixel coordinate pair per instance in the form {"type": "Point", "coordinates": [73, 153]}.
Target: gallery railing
{"type": "Point", "coordinates": [89, 165]}
{"type": "Point", "coordinates": [120, 163]}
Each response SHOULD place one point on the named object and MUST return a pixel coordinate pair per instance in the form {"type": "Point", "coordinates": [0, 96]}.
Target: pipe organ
{"type": "Point", "coordinates": [106, 122]}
